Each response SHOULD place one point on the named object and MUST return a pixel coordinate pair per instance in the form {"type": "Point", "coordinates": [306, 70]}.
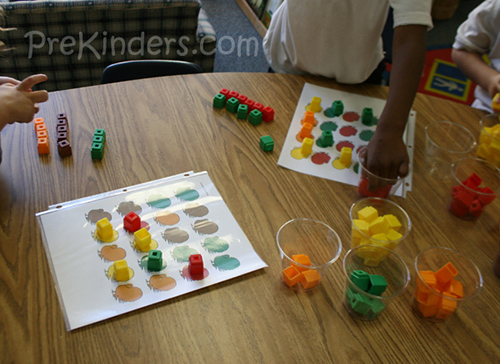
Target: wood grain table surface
{"type": "Point", "coordinates": [166, 126]}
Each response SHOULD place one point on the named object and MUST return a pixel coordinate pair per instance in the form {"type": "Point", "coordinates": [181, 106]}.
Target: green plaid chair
{"type": "Point", "coordinates": [72, 41]}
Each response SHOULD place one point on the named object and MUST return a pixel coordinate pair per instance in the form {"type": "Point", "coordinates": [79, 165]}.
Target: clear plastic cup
{"type": "Point", "coordinates": [437, 295]}
{"type": "Point", "coordinates": [372, 185]}
{"type": "Point", "coordinates": [308, 248]}
{"type": "Point", "coordinates": [474, 186]}
{"type": "Point", "coordinates": [367, 295]}
{"type": "Point", "coordinates": [446, 142]}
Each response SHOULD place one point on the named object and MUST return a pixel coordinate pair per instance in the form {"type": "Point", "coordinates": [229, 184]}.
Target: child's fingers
{"type": "Point", "coordinates": [38, 96]}
{"type": "Point", "coordinates": [10, 80]}
{"type": "Point", "coordinates": [29, 82]}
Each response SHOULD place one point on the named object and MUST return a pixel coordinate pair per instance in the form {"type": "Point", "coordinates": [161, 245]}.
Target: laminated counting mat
{"type": "Point", "coordinates": [326, 121]}
{"type": "Point", "coordinates": [100, 276]}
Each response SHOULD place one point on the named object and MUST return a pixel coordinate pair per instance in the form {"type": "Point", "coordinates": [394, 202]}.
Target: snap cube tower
{"type": "Point", "coordinates": [42, 136]}
{"type": "Point", "coordinates": [98, 143]}
{"type": "Point", "coordinates": [62, 128]}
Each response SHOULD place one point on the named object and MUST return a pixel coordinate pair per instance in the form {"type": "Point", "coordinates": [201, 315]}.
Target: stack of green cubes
{"type": "Point", "coordinates": [98, 142]}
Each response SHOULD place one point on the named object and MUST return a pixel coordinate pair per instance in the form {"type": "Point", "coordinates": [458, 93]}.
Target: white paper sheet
{"type": "Point", "coordinates": [315, 164]}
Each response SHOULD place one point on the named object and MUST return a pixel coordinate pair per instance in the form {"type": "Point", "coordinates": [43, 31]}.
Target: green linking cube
{"type": "Point", "coordinates": [98, 139]}
{"type": "Point", "coordinates": [361, 279]}
{"type": "Point", "coordinates": [360, 303]}
{"type": "Point", "coordinates": [155, 260]}
{"type": "Point", "coordinates": [219, 101]}
{"type": "Point", "coordinates": [326, 139]}
{"type": "Point", "coordinates": [255, 117]}
{"type": "Point", "coordinates": [378, 284]}
{"type": "Point", "coordinates": [232, 104]}
{"type": "Point", "coordinates": [266, 143]}
{"type": "Point", "coordinates": [367, 116]}
{"type": "Point", "coordinates": [97, 150]}
{"type": "Point", "coordinates": [336, 110]}
{"type": "Point", "coordinates": [242, 112]}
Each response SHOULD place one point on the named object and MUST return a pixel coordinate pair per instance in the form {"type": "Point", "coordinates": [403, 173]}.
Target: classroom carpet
{"type": "Point", "coordinates": [442, 78]}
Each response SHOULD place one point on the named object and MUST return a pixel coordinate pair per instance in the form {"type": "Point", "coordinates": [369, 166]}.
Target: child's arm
{"type": "Point", "coordinates": [18, 102]}
{"type": "Point", "coordinates": [474, 67]}
{"type": "Point", "coordinates": [387, 154]}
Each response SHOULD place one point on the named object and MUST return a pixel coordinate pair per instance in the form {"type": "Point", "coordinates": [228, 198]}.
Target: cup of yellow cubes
{"type": "Point", "coordinates": [307, 248]}
{"type": "Point", "coordinates": [380, 222]}
{"type": "Point", "coordinates": [489, 139]}
{"type": "Point", "coordinates": [444, 280]}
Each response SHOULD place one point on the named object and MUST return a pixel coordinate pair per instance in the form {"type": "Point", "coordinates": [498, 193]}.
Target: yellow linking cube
{"type": "Point", "coordinates": [345, 159]}
{"type": "Point", "coordinates": [105, 232]}
{"type": "Point", "coordinates": [142, 240]}
{"type": "Point", "coordinates": [122, 271]}
{"type": "Point", "coordinates": [315, 105]}
{"type": "Point", "coordinates": [307, 146]}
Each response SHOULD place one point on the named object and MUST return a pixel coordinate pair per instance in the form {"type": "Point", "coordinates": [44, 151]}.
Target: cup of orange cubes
{"type": "Point", "coordinates": [380, 222]}
{"type": "Point", "coordinates": [444, 280]}
{"type": "Point", "coordinates": [307, 248]}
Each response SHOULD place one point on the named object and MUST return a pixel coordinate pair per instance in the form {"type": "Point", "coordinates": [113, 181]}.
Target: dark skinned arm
{"type": "Point", "coordinates": [387, 155]}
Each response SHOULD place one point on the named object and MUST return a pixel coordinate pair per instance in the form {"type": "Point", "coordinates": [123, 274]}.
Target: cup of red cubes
{"type": "Point", "coordinates": [475, 185]}
{"type": "Point", "coordinates": [372, 185]}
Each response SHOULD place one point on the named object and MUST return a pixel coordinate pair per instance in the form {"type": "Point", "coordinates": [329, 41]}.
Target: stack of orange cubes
{"type": "Point", "coordinates": [429, 302]}
{"type": "Point", "coordinates": [42, 136]}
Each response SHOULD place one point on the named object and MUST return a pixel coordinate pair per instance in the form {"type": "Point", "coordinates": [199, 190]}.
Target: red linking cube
{"type": "Point", "coordinates": [196, 265]}
{"type": "Point", "coordinates": [132, 222]}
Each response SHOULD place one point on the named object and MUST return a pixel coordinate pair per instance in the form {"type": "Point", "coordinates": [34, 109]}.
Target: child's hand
{"type": "Point", "coordinates": [494, 85]}
{"type": "Point", "coordinates": [18, 102]}
{"type": "Point", "coordinates": [387, 156]}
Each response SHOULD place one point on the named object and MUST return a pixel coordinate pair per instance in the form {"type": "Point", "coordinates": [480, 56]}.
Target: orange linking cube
{"type": "Point", "coordinates": [294, 274]}
{"type": "Point", "coordinates": [429, 303]}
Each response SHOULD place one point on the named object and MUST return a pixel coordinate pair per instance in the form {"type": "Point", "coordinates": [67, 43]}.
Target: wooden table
{"type": "Point", "coordinates": [165, 126]}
